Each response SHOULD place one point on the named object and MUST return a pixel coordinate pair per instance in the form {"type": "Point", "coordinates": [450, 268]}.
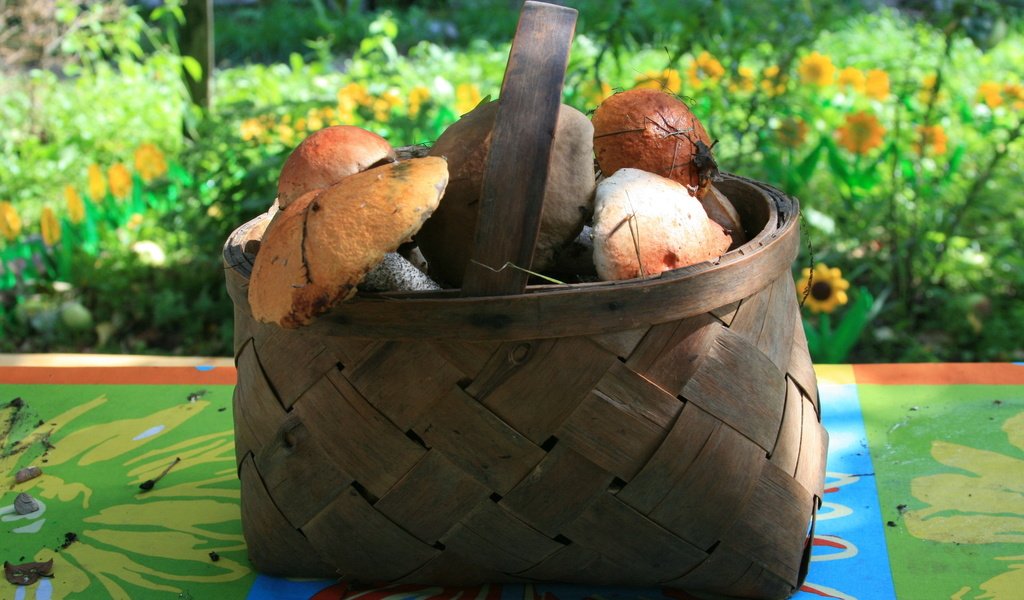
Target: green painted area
{"type": "Point", "coordinates": [949, 463]}
{"type": "Point", "coordinates": [95, 445]}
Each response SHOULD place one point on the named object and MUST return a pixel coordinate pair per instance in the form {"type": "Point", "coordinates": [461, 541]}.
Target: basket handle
{"type": "Point", "coordinates": [516, 168]}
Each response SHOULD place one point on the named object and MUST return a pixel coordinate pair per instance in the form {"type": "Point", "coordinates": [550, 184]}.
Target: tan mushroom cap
{"type": "Point", "coordinates": [314, 254]}
{"type": "Point", "coordinates": [447, 239]}
{"type": "Point", "coordinates": [328, 155]}
{"type": "Point", "coordinates": [645, 224]}
{"type": "Point", "coordinates": [650, 130]}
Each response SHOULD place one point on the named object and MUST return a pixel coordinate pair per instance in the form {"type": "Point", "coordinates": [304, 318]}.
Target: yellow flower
{"type": "Point", "coordinates": [252, 129]}
{"type": "Point", "coordinates": [927, 92]}
{"type": "Point", "coordinates": [120, 181]}
{"type": "Point", "coordinates": [853, 78]}
{"type": "Point", "coordinates": [97, 184]}
{"type": "Point", "coordinates": [330, 116]}
{"type": "Point", "coordinates": [595, 94]}
{"type": "Point", "coordinates": [930, 136]}
{"type": "Point", "coordinates": [353, 95]}
{"type": "Point", "coordinates": [989, 93]}
{"type": "Point", "coordinates": [791, 132]}
{"type": "Point", "coordinates": [774, 81]}
{"type": "Point", "coordinates": [134, 221]}
{"type": "Point", "coordinates": [667, 80]}
{"type": "Point", "coordinates": [978, 503]}
{"type": "Point", "coordinates": [825, 291]}
{"type": "Point", "coordinates": [862, 133]}
{"type": "Point", "coordinates": [381, 110]}
{"type": "Point", "coordinates": [314, 120]}
{"type": "Point", "coordinates": [1014, 94]}
{"type": "Point", "coordinates": [705, 69]}
{"type": "Point", "coordinates": [467, 97]}
{"type": "Point", "coordinates": [743, 81]}
{"type": "Point", "coordinates": [76, 208]}
{"type": "Point", "coordinates": [417, 97]}
{"type": "Point", "coordinates": [817, 69]}
{"type": "Point", "coordinates": [10, 222]}
{"type": "Point", "coordinates": [876, 84]}
{"type": "Point", "coordinates": [150, 162]}
{"type": "Point", "coordinates": [285, 133]}
{"type": "Point", "coordinates": [49, 226]}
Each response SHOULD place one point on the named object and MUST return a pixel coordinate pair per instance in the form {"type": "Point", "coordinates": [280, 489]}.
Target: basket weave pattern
{"type": "Point", "coordinates": [686, 453]}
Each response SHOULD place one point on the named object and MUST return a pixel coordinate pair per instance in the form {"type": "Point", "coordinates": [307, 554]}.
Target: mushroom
{"type": "Point", "coordinates": [327, 156]}
{"type": "Point", "coordinates": [653, 131]}
{"type": "Point", "coordinates": [721, 210]}
{"type": "Point", "coordinates": [315, 253]}
{"type": "Point", "coordinates": [446, 240]}
{"type": "Point", "coordinates": [645, 224]}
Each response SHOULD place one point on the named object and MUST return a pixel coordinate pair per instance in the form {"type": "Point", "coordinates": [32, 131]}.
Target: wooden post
{"type": "Point", "coordinates": [197, 42]}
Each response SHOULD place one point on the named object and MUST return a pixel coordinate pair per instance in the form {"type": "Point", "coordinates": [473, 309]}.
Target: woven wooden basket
{"type": "Point", "coordinates": [663, 431]}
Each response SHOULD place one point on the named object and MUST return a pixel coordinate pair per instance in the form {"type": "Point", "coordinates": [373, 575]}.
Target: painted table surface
{"type": "Point", "coordinates": [924, 498]}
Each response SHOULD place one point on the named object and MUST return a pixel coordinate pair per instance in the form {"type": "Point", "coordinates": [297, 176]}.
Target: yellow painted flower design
{"type": "Point", "coordinates": [49, 226]}
{"type": "Point", "coordinates": [97, 183]}
{"type": "Point", "coordinates": [135, 543]}
{"type": "Point", "coordinates": [817, 69]}
{"type": "Point", "coordinates": [667, 80]}
{"type": "Point", "coordinates": [467, 97]}
{"type": "Point", "coordinates": [705, 70]}
{"type": "Point", "coordinates": [150, 162]}
{"type": "Point", "coordinates": [861, 133]}
{"type": "Point", "coordinates": [825, 291]}
{"type": "Point", "coordinates": [76, 208]}
{"type": "Point", "coordinates": [120, 181]}
{"type": "Point", "coordinates": [980, 504]}
{"type": "Point", "coordinates": [876, 84]}
{"type": "Point", "coordinates": [10, 222]}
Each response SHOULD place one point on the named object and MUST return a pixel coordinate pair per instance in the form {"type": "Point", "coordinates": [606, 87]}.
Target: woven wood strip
{"type": "Point", "coordinates": [685, 452]}
{"type": "Point", "coordinates": [292, 455]}
{"type": "Point", "coordinates": [273, 544]}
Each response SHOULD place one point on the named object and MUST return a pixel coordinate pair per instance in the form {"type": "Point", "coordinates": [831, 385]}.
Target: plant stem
{"type": "Point", "coordinates": [977, 185]}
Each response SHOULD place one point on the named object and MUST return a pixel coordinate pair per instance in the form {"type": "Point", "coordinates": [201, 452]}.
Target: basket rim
{"type": "Point", "coordinates": [551, 311]}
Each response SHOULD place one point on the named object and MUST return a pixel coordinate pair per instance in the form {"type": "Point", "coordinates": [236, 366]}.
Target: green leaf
{"type": "Point", "coordinates": [850, 328]}
{"type": "Point", "coordinates": [813, 339]}
{"type": "Point", "coordinates": [295, 62]}
{"type": "Point", "coordinates": [192, 67]}
{"type": "Point", "coordinates": [954, 163]}
{"type": "Point", "coordinates": [809, 163]}
{"type": "Point", "coordinates": [837, 163]}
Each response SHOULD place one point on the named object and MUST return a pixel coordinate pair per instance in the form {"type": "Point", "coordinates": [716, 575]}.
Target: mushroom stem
{"type": "Point", "coordinates": [396, 274]}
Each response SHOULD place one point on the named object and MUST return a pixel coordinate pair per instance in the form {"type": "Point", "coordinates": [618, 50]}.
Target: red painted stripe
{"type": "Point", "coordinates": [940, 374]}
{"type": "Point", "coordinates": [118, 375]}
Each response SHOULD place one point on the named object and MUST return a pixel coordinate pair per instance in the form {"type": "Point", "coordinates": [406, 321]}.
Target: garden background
{"type": "Point", "coordinates": [896, 124]}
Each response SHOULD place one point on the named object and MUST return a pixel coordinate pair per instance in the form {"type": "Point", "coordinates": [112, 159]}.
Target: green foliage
{"type": "Point", "coordinates": [924, 228]}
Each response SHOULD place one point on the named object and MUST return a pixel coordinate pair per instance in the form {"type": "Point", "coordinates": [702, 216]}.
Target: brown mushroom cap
{"type": "Point", "coordinates": [328, 155]}
{"type": "Point", "coordinates": [653, 131]}
{"type": "Point", "coordinates": [645, 224]}
{"type": "Point", "coordinates": [446, 240]}
{"type": "Point", "coordinates": [314, 254]}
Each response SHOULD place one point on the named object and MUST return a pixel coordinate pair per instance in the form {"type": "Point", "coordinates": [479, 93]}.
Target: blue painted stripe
{"type": "Point", "coordinates": [851, 516]}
